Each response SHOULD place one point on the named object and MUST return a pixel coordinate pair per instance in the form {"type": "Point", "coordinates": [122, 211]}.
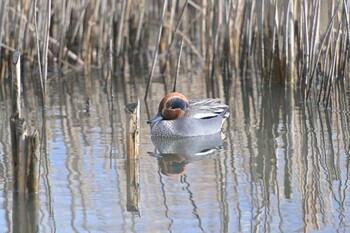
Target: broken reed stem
{"type": "Point", "coordinates": [178, 64]}
{"type": "Point", "coordinates": [133, 186]}
{"type": "Point", "coordinates": [17, 126]}
{"type": "Point", "coordinates": [66, 52]}
{"type": "Point", "coordinates": [34, 162]}
{"type": "Point", "coordinates": [133, 143]}
{"type": "Point", "coordinates": [16, 84]}
{"type": "Point", "coordinates": [133, 129]}
{"type": "Point", "coordinates": [18, 135]}
{"type": "Point", "coordinates": [25, 149]}
{"type": "Point", "coordinates": [156, 48]}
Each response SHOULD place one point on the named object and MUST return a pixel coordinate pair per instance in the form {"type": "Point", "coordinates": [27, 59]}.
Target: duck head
{"type": "Point", "coordinates": [173, 106]}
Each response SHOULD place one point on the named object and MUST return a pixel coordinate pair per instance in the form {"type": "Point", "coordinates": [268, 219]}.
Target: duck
{"type": "Point", "coordinates": [179, 117]}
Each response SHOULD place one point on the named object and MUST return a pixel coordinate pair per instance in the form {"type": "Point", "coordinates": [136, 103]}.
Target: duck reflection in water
{"type": "Point", "coordinates": [174, 154]}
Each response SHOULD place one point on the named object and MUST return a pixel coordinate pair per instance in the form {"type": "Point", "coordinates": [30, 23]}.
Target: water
{"type": "Point", "coordinates": [281, 166]}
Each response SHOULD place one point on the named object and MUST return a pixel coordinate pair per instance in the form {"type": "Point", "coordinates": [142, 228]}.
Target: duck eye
{"type": "Point", "coordinates": [176, 103]}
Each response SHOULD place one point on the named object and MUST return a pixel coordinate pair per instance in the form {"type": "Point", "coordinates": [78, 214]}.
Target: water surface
{"type": "Point", "coordinates": [282, 164]}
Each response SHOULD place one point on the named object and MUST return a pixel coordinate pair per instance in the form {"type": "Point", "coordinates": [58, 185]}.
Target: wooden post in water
{"type": "Point", "coordinates": [33, 160]}
{"type": "Point", "coordinates": [133, 142]}
{"type": "Point", "coordinates": [26, 161]}
{"type": "Point", "coordinates": [133, 129]}
{"type": "Point", "coordinates": [18, 132]}
{"type": "Point", "coordinates": [25, 147]}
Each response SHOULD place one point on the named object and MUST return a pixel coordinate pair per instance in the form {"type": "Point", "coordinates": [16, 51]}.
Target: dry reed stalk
{"type": "Point", "coordinates": [79, 23]}
{"type": "Point", "coordinates": [260, 25]}
{"type": "Point", "coordinates": [3, 7]}
{"type": "Point", "coordinates": [288, 48]}
{"type": "Point", "coordinates": [333, 66]}
{"type": "Point", "coordinates": [208, 37]}
{"type": "Point", "coordinates": [203, 26]}
{"type": "Point", "coordinates": [101, 36]}
{"type": "Point", "coordinates": [225, 59]}
{"type": "Point", "coordinates": [111, 61]}
{"type": "Point", "coordinates": [178, 65]}
{"type": "Point", "coordinates": [129, 30]}
{"type": "Point", "coordinates": [66, 11]}
{"type": "Point", "coordinates": [250, 27]}
{"type": "Point", "coordinates": [171, 21]}
{"type": "Point", "coordinates": [121, 26]}
{"type": "Point", "coordinates": [325, 68]}
{"type": "Point", "coordinates": [343, 55]}
{"type": "Point", "coordinates": [139, 26]}
{"type": "Point", "coordinates": [245, 36]}
{"type": "Point", "coordinates": [87, 49]}
{"type": "Point", "coordinates": [330, 26]}
{"type": "Point", "coordinates": [20, 32]}
{"type": "Point", "coordinates": [190, 45]}
{"type": "Point", "coordinates": [346, 11]}
{"type": "Point", "coordinates": [314, 32]}
{"type": "Point", "coordinates": [164, 48]}
{"type": "Point", "coordinates": [156, 49]}
{"type": "Point", "coordinates": [66, 52]}
{"type": "Point", "coordinates": [216, 49]}
{"type": "Point", "coordinates": [38, 50]}
{"type": "Point", "coordinates": [46, 44]}
{"type": "Point", "coordinates": [178, 23]}
{"type": "Point", "coordinates": [163, 51]}
{"type": "Point", "coordinates": [26, 35]}
{"type": "Point", "coordinates": [235, 24]}
{"type": "Point", "coordinates": [274, 38]}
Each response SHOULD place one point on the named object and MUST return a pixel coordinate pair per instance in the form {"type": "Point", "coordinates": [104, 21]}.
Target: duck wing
{"type": "Point", "coordinates": [208, 108]}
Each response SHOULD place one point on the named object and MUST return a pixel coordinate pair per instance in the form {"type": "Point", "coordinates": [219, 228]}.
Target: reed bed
{"type": "Point", "coordinates": [304, 43]}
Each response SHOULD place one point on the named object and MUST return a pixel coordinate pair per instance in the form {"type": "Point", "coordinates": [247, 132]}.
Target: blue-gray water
{"type": "Point", "coordinates": [282, 165]}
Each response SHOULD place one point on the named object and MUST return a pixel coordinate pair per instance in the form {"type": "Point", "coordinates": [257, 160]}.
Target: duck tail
{"type": "Point", "coordinates": [225, 113]}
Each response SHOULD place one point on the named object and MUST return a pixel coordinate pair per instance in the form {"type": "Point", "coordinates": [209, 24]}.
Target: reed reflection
{"type": "Point", "coordinates": [25, 212]}
{"type": "Point", "coordinates": [293, 156]}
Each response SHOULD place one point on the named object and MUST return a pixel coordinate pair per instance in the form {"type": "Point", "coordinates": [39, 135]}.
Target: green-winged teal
{"type": "Point", "coordinates": [178, 117]}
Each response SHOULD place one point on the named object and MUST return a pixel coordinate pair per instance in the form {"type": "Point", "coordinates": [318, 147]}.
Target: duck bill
{"type": "Point", "coordinates": [155, 119]}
